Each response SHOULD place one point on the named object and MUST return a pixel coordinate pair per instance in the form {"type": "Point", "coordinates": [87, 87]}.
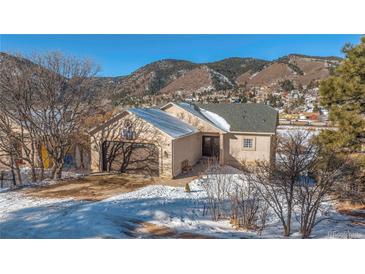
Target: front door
{"type": "Point", "coordinates": [211, 146]}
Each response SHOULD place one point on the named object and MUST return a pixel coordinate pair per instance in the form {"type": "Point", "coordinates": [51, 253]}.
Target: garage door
{"type": "Point", "coordinates": [130, 157]}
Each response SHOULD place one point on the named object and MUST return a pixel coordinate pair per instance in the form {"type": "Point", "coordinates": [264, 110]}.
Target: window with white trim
{"type": "Point", "coordinates": [248, 143]}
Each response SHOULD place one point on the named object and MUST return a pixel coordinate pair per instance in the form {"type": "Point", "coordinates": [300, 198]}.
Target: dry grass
{"type": "Point", "coordinates": [177, 182]}
{"type": "Point", "coordinates": [155, 231]}
{"type": "Point", "coordinates": [92, 188]}
{"type": "Point", "coordinates": [347, 208]}
{"type": "Point", "coordinates": [97, 187]}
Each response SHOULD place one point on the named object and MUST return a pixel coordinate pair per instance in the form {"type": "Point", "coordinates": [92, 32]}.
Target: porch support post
{"type": "Point", "coordinates": [221, 148]}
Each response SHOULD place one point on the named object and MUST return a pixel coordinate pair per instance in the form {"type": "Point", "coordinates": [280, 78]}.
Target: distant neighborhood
{"type": "Point", "coordinates": [289, 84]}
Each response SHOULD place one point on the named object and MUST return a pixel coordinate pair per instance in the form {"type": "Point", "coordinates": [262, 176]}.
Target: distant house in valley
{"type": "Point", "coordinates": [78, 156]}
{"type": "Point", "coordinates": [166, 141]}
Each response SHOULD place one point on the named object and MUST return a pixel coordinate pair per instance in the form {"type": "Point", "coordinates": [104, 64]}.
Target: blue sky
{"type": "Point", "coordinates": [122, 54]}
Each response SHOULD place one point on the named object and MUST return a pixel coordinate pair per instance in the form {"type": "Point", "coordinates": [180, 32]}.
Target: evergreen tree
{"type": "Point", "coordinates": [287, 85]}
{"type": "Point", "coordinates": [315, 108]}
{"type": "Point", "coordinates": [187, 187]}
{"type": "Point", "coordinates": [343, 94]}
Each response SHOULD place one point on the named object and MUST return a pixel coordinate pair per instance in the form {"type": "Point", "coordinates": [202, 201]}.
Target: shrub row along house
{"type": "Point", "coordinates": [169, 140]}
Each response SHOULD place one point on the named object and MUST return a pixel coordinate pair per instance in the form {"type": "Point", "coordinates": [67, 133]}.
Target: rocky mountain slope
{"type": "Point", "coordinates": [178, 76]}
{"type": "Point", "coordinates": [300, 69]}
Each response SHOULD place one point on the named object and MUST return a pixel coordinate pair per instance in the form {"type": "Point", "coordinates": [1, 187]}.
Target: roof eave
{"type": "Point", "coordinates": [116, 117]}
{"type": "Point", "coordinates": [253, 132]}
{"type": "Point", "coordinates": [185, 135]}
{"type": "Point", "coordinates": [210, 123]}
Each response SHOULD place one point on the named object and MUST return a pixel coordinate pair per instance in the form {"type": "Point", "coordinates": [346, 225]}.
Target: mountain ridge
{"type": "Point", "coordinates": [171, 76]}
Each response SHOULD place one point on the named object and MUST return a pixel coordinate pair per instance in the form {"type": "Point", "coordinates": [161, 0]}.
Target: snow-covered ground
{"type": "Point", "coordinates": [287, 130]}
{"type": "Point", "coordinates": [116, 217]}
{"type": "Point", "coordinates": [120, 216]}
{"type": "Point", "coordinates": [25, 174]}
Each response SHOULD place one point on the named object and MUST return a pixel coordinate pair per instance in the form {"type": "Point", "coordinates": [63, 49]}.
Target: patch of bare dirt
{"type": "Point", "coordinates": [92, 187]}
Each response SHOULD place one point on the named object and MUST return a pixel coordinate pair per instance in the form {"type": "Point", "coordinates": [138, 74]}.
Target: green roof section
{"type": "Point", "coordinates": [249, 117]}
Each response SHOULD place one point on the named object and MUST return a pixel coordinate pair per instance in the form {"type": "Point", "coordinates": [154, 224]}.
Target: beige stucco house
{"type": "Point", "coordinates": [180, 134]}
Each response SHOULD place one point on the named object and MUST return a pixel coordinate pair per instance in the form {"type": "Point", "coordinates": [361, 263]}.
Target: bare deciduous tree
{"type": "Point", "coordinates": [10, 154]}
{"type": "Point", "coordinates": [50, 98]}
{"type": "Point", "coordinates": [276, 181]}
{"type": "Point", "coordinates": [325, 172]}
{"type": "Point", "coordinates": [298, 183]}
{"type": "Point", "coordinates": [16, 93]}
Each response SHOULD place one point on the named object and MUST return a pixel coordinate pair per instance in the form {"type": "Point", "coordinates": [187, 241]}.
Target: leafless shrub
{"type": "Point", "coordinates": [231, 197]}
{"type": "Point", "coordinates": [263, 216]}
{"type": "Point", "coordinates": [217, 186]}
{"type": "Point", "coordinates": [247, 207]}
{"type": "Point", "coordinates": [327, 170]}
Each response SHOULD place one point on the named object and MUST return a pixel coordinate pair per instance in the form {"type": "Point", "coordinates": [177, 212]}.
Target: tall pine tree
{"type": "Point", "coordinates": [343, 94]}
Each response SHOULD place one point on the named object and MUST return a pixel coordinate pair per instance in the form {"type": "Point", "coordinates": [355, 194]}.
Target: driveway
{"type": "Point", "coordinates": [92, 187]}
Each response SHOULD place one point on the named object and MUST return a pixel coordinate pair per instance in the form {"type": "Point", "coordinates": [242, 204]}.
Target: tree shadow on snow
{"type": "Point", "coordinates": [109, 218]}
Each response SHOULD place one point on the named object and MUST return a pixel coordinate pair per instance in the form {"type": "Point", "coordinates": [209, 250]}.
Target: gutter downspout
{"type": "Point", "coordinates": [172, 158]}
{"type": "Point", "coordinates": [221, 149]}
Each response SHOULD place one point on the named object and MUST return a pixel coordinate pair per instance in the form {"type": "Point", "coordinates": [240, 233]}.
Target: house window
{"type": "Point", "coordinates": [248, 143]}
{"type": "Point", "coordinates": [127, 131]}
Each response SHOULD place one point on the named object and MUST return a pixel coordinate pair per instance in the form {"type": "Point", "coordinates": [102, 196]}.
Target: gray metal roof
{"type": "Point", "coordinates": [195, 110]}
{"type": "Point", "coordinates": [246, 117]}
{"type": "Point", "coordinates": [164, 121]}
